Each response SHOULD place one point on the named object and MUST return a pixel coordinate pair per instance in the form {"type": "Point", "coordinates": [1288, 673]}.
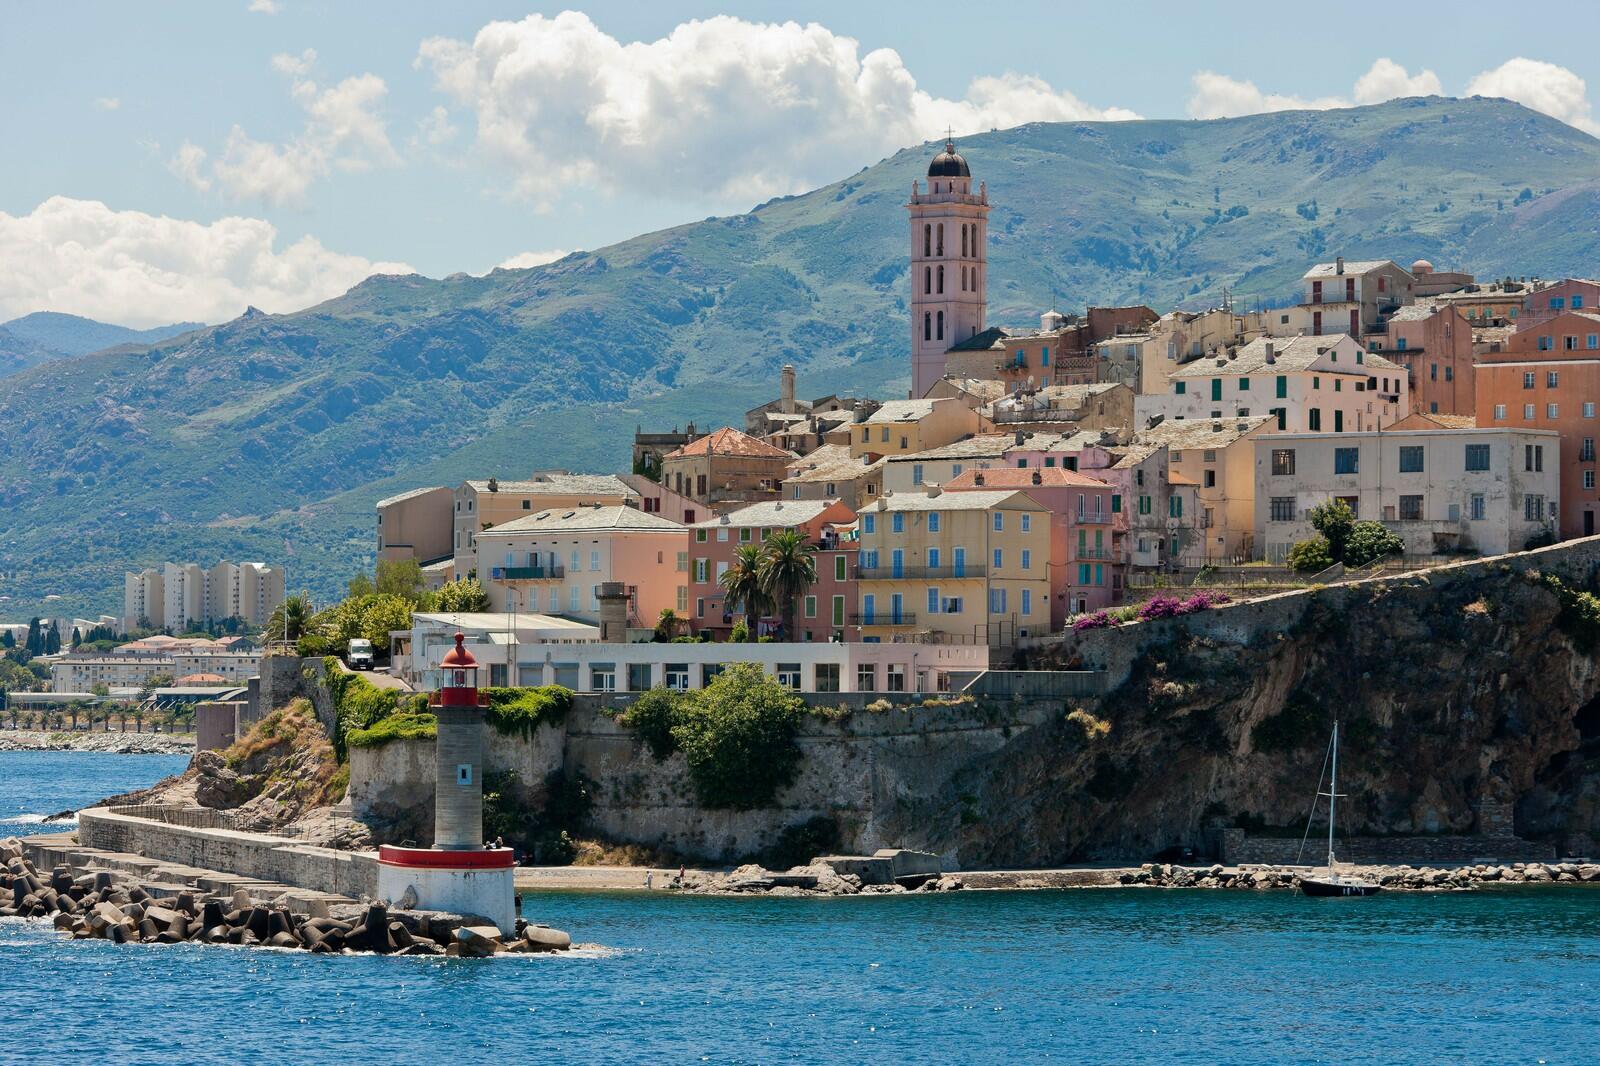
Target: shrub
{"type": "Point", "coordinates": [1334, 520]}
{"type": "Point", "coordinates": [1092, 727]}
{"type": "Point", "coordinates": [1160, 607]}
{"type": "Point", "coordinates": [402, 725]}
{"type": "Point", "coordinates": [652, 716]}
{"type": "Point", "coordinates": [1097, 620]}
{"type": "Point", "coordinates": [1310, 556]}
{"type": "Point", "coordinates": [738, 737]}
{"type": "Point", "coordinates": [740, 634]}
{"type": "Point", "coordinates": [520, 711]}
{"type": "Point", "coordinates": [1369, 541]}
{"type": "Point", "coordinates": [1580, 612]}
{"type": "Point", "coordinates": [1542, 539]}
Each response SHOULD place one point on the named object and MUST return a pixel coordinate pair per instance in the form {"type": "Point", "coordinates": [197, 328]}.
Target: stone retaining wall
{"type": "Point", "coordinates": [258, 855]}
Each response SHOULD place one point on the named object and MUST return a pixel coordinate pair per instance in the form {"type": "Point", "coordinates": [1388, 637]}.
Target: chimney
{"type": "Point", "coordinates": [786, 390]}
{"type": "Point", "coordinates": [1021, 437]}
{"type": "Point", "coordinates": [1038, 478]}
{"type": "Point", "coordinates": [977, 478]}
{"type": "Point", "coordinates": [1272, 355]}
{"type": "Point", "coordinates": [932, 489]}
{"type": "Point", "coordinates": [613, 597]}
{"type": "Point", "coordinates": [494, 484]}
{"type": "Point", "coordinates": [1338, 265]}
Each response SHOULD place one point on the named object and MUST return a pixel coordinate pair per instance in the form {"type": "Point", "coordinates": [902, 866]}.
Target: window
{"type": "Point", "coordinates": [1044, 356]}
{"type": "Point", "coordinates": [827, 675]}
{"type": "Point", "coordinates": [933, 521]}
{"type": "Point", "coordinates": [839, 567]}
{"type": "Point", "coordinates": [916, 473]}
{"type": "Point", "coordinates": [811, 607]}
{"type": "Point", "coordinates": [1499, 412]}
{"type": "Point", "coordinates": [1533, 507]}
{"type": "Point", "coordinates": [838, 611]}
{"type": "Point", "coordinates": [788, 675]}
{"type": "Point", "coordinates": [999, 522]}
{"type": "Point", "coordinates": [1027, 559]}
{"type": "Point", "coordinates": [700, 535]}
{"type": "Point", "coordinates": [702, 571]}
{"type": "Point", "coordinates": [1282, 391]}
{"type": "Point", "coordinates": [1528, 411]}
{"type": "Point", "coordinates": [1546, 343]}
{"type": "Point", "coordinates": [1314, 420]}
{"type": "Point", "coordinates": [1410, 508]}
{"type": "Point", "coordinates": [1477, 457]}
{"type": "Point", "coordinates": [896, 673]}
{"type": "Point", "coordinates": [1476, 507]}
{"type": "Point", "coordinates": [997, 601]}
{"type": "Point", "coordinates": [1586, 453]}
{"type": "Point", "coordinates": [897, 522]}
{"type": "Point", "coordinates": [1556, 303]}
{"type": "Point", "coordinates": [594, 560]}
{"type": "Point", "coordinates": [1180, 387]}
{"type": "Point", "coordinates": [1552, 379]}
{"type": "Point", "coordinates": [1175, 507]}
{"type": "Point", "coordinates": [1211, 479]}
{"type": "Point", "coordinates": [1588, 409]}
{"type": "Point", "coordinates": [1027, 601]}
{"type": "Point", "coordinates": [933, 599]}
{"type": "Point", "coordinates": [866, 677]}
{"type": "Point", "coordinates": [1116, 501]}
{"type": "Point", "coordinates": [999, 558]}
{"type": "Point", "coordinates": [1346, 460]}
{"type": "Point", "coordinates": [1411, 460]}
{"type": "Point", "coordinates": [1552, 410]}
{"type": "Point", "coordinates": [1533, 458]}
{"type": "Point", "coordinates": [1577, 302]}
{"type": "Point", "coordinates": [1528, 379]}
{"type": "Point", "coordinates": [1592, 341]}
{"type": "Point", "coordinates": [869, 523]}
{"type": "Point", "coordinates": [1282, 509]}
{"type": "Point", "coordinates": [933, 557]}
{"type": "Point", "coordinates": [745, 534]}
{"type": "Point", "coordinates": [572, 560]}
{"type": "Point", "coordinates": [1216, 389]}
{"type": "Point", "coordinates": [1588, 479]}
{"type": "Point", "coordinates": [1244, 384]}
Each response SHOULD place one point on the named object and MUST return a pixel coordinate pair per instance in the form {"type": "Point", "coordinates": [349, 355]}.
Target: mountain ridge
{"type": "Point", "coordinates": [270, 436]}
{"type": "Point", "coordinates": [47, 336]}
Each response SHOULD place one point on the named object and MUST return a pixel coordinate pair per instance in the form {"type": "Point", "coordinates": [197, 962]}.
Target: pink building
{"type": "Point", "coordinates": [827, 610]}
{"type": "Point", "coordinates": [1084, 570]}
{"type": "Point", "coordinates": [1573, 294]}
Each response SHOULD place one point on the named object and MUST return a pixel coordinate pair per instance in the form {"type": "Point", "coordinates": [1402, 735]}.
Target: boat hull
{"type": "Point", "coordinates": [1338, 886]}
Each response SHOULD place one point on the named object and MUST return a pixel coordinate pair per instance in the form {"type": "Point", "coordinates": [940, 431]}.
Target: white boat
{"type": "Point", "coordinates": [1334, 883]}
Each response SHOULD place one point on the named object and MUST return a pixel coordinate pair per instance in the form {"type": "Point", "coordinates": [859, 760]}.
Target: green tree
{"type": "Point", "coordinates": [7, 639]}
{"type": "Point", "coordinates": [360, 587]}
{"type": "Point", "coordinates": [1334, 520]}
{"type": "Point", "coordinates": [737, 735]}
{"type": "Point", "coordinates": [787, 570]}
{"type": "Point", "coordinates": [289, 618]}
{"type": "Point", "coordinates": [383, 614]}
{"type": "Point", "coordinates": [742, 582]}
{"type": "Point", "coordinates": [464, 595]}
{"type": "Point", "coordinates": [77, 637]}
{"type": "Point", "coordinates": [666, 626]}
{"type": "Point", "coordinates": [1310, 556]}
{"type": "Point", "coordinates": [1369, 541]}
{"type": "Point", "coordinates": [400, 577]}
{"type": "Point", "coordinates": [35, 642]}
{"type": "Point", "coordinates": [52, 640]}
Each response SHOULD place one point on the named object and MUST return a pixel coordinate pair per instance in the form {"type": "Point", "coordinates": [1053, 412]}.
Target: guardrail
{"type": "Point", "coordinates": [922, 573]}
{"type": "Point", "coordinates": [526, 573]}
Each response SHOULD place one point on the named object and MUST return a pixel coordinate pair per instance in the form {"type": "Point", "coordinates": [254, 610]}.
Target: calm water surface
{"type": "Point", "coordinates": [1111, 976]}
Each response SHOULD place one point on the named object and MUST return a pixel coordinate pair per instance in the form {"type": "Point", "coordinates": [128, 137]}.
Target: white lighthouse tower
{"type": "Point", "coordinates": [949, 265]}
{"type": "Point", "coordinates": [458, 873]}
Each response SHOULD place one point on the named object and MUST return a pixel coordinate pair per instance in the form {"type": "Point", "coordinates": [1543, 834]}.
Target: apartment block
{"type": "Point", "coordinates": [1433, 343]}
{"type": "Point", "coordinates": [832, 473]}
{"type": "Point", "coordinates": [901, 427]}
{"type": "Point", "coordinates": [483, 505]}
{"type": "Point", "coordinates": [416, 525]}
{"type": "Point", "coordinates": [911, 471]}
{"type": "Point", "coordinates": [182, 596]}
{"type": "Point", "coordinates": [1443, 491]}
{"type": "Point", "coordinates": [1217, 458]}
{"type": "Point", "coordinates": [726, 470]}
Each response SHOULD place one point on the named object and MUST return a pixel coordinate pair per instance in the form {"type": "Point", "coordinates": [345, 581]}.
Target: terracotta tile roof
{"type": "Point", "coordinates": [1011, 477]}
{"type": "Point", "coordinates": [1421, 420]}
{"type": "Point", "coordinates": [589, 519]}
{"type": "Point", "coordinates": [770, 513]}
{"type": "Point", "coordinates": [729, 441]}
{"type": "Point", "coordinates": [831, 462]}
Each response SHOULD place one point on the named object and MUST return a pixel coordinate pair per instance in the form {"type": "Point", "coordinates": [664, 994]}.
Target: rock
{"type": "Point", "coordinates": [477, 941]}
{"type": "Point", "coordinates": [1536, 872]}
{"type": "Point", "coordinates": [544, 938]}
{"type": "Point", "coordinates": [408, 899]}
{"type": "Point", "coordinates": [64, 921]}
{"type": "Point", "coordinates": [1589, 872]}
{"type": "Point", "coordinates": [317, 908]}
{"type": "Point", "coordinates": [283, 940]}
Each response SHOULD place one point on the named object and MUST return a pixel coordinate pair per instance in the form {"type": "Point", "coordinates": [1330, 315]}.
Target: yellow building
{"type": "Point", "coordinates": [1217, 455]}
{"type": "Point", "coordinates": [902, 426]}
{"type": "Point", "coordinates": [959, 567]}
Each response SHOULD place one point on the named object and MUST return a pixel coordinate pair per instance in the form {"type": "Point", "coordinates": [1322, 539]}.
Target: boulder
{"type": "Point", "coordinates": [1589, 872]}
{"type": "Point", "coordinates": [544, 938]}
{"type": "Point", "coordinates": [477, 941]}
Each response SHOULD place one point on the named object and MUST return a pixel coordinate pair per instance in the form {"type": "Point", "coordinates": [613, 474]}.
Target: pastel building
{"type": "Point", "coordinates": [831, 472]}
{"type": "Point", "coordinates": [486, 504]}
{"type": "Point", "coordinates": [1550, 301]}
{"type": "Point", "coordinates": [1352, 297]}
{"type": "Point", "coordinates": [417, 525]}
{"type": "Point", "coordinates": [1306, 384]}
{"type": "Point", "coordinates": [183, 596]}
{"type": "Point", "coordinates": [1443, 491]}
{"type": "Point", "coordinates": [1547, 376]}
{"type": "Point", "coordinates": [958, 567]}
{"type": "Point", "coordinates": [554, 562]}
{"type": "Point", "coordinates": [726, 469]}
{"type": "Point", "coordinates": [1217, 458]}
{"type": "Point", "coordinates": [825, 612]}
{"type": "Point", "coordinates": [1084, 564]}
{"type": "Point", "coordinates": [900, 427]}
{"type": "Point", "coordinates": [909, 472]}
{"type": "Point", "coordinates": [1433, 343]}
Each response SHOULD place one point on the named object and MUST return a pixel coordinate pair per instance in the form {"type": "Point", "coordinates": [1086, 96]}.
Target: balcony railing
{"type": "Point", "coordinates": [526, 573]}
{"type": "Point", "coordinates": [884, 618]}
{"type": "Point", "coordinates": [1093, 553]}
{"type": "Point", "coordinates": [922, 573]}
{"type": "Point", "coordinates": [1098, 518]}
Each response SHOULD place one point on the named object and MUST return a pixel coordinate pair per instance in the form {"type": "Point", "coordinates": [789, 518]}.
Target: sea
{"type": "Point", "coordinates": [1509, 975]}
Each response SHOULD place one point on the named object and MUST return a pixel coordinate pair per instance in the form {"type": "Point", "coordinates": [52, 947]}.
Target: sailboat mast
{"type": "Point", "coordinates": [1333, 791]}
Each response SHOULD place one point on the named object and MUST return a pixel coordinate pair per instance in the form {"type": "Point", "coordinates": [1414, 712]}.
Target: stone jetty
{"type": "Point", "coordinates": [113, 905]}
{"type": "Point", "coordinates": [1393, 878]}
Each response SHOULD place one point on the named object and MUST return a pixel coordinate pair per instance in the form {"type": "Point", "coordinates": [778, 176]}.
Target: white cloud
{"type": "Point", "coordinates": [1388, 80]}
{"type": "Point", "coordinates": [265, 7]}
{"type": "Point", "coordinates": [1556, 91]}
{"type": "Point", "coordinates": [722, 107]}
{"type": "Point", "coordinates": [128, 267]}
{"type": "Point", "coordinates": [523, 260]}
{"type": "Point", "coordinates": [189, 165]}
{"type": "Point", "coordinates": [107, 103]}
{"type": "Point", "coordinates": [343, 130]}
{"type": "Point", "coordinates": [435, 128]}
{"type": "Point", "coordinates": [1219, 96]}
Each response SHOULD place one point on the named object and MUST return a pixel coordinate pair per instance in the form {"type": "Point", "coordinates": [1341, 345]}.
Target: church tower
{"type": "Point", "coordinates": [949, 265]}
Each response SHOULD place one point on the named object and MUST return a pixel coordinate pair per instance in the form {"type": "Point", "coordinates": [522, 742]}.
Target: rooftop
{"type": "Point", "coordinates": [902, 411]}
{"type": "Point", "coordinates": [729, 441]}
{"type": "Point", "coordinates": [770, 513]}
{"type": "Point", "coordinates": [493, 621]}
{"type": "Point", "coordinates": [558, 484]}
{"type": "Point", "coordinates": [1289, 354]}
{"type": "Point", "coordinates": [1132, 455]}
{"type": "Point", "coordinates": [589, 519]}
{"type": "Point", "coordinates": [977, 500]}
{"type": "Point", "coordinates": [1417, 312]}
{"type": "Point", "coordinates": [1420, 420]}
{"type": "Point", "coordinates": [831, 462]}
{"type": "Point", "coordinates": [980, 342]}
{"type": "Point", "coordinates": [1183, 433]}
{"type": "Point", "coordinates": [1351, 266]}
{"type": "Point", "coordinates": [978, 446]}
{"type": "Point", "coordinates": [983, 388]}
{"type": "Point", "coordinates": [413, 494]}
{"type": "Point", "coordinates": [1011, 477]}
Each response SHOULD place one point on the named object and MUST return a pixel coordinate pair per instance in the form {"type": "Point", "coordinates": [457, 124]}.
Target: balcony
{"type": "Point", "coordinates": [922, 573]}
{"type": "Point", "coordinates": [1094, 518]}
{"type": "Point", "coordinates": [1093, 553]}
{"type": "Point", "coordinates": [1011, 366]}
{"type": "Point", "coordinates": [526, 573]}
{"type": "Point", "coordinates": [884, 618]}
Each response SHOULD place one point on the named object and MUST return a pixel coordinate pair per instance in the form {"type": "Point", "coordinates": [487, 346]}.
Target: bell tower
{"type": "Point", "coordinates": [949, 264]}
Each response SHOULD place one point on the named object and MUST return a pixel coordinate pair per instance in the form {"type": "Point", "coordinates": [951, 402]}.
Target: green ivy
{"type": "Point", "coordinates": [520, 711]}
{"type": "Point", "coordinates": [402, 725]}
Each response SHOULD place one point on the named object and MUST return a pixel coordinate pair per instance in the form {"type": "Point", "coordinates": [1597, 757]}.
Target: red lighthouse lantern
{"type": "Point", "coordinates": [460, 688]}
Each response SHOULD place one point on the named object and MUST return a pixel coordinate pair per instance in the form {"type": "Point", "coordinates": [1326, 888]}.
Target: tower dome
{"type": "Point", "coordinates": [948, 164]}
{"type": "Point", "coordinates": [1422, 266]}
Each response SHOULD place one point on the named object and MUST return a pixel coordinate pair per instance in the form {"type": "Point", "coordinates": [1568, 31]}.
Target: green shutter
{"type": "Point", "coordinates": [1116, 503]}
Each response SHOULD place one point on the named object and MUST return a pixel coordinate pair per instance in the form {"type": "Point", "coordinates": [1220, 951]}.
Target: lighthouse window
{"type": "Point", "coordinates": [464, 774]}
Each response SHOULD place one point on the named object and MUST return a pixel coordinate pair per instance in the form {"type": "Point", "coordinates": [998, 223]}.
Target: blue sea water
{"type": "Point", "coordinates": [1077, 976]}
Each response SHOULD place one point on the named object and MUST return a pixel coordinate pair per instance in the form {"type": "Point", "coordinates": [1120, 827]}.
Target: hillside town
{"type": "Point", "coordinates": [1035, 477]}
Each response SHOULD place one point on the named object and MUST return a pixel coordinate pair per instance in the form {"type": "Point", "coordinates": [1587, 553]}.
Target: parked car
{"type": "Point", "coordinates": [359, 657]}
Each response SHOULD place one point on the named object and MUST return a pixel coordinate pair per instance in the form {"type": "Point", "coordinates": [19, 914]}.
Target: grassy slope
{"type": "Point", "coordinates": [270, 436]}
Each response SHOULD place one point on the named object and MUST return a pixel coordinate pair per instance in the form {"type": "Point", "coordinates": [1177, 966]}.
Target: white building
{"type": "Point", "coordinates": [1307, 385]}
{"type": "Point", "coordinates": [181, 596]}
{"type": "Point", "coordinates": [1470, 490]}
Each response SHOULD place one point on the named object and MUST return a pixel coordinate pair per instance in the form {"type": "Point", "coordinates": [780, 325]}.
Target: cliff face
{"type": "Point", "coordinates": [1462, 684]}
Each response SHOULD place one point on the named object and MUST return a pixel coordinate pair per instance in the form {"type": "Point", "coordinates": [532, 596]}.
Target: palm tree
{"type": "Point", "coordinates": [288, 621]}
{"type": "Point", "coordinates": [742, 582]}
{"type": "Point", "coordinates": [788, 568]}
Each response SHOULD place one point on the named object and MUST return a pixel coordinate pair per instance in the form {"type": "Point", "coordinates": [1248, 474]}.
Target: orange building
{"type": "Point", "coordinates": [1548, 377]}
{"type": "Point", "coordinates": [1434, 343]}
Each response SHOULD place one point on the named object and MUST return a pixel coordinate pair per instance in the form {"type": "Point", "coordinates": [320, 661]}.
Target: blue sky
{"type": "Point", "coordinates": [179, 160]}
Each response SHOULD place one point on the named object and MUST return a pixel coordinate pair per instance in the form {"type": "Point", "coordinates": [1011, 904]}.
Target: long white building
{"type": "Point", "coordinates": [180, 596]}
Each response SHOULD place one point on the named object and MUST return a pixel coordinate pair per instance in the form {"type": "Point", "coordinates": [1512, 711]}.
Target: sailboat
{"type": "Point", "coordinates": [1334, 883]}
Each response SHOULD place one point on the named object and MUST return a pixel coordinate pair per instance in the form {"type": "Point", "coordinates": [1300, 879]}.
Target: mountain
{"type": "Point", "coordinates": [270, 436]}
{"type": "Point", "coordinates": [48, 335]}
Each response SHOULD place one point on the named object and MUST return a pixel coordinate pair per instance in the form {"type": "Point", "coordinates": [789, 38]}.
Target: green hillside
{"type": "Point", "coordinates": [270, 436]}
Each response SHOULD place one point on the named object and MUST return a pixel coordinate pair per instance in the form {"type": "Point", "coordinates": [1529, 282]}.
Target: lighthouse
{"type": "Point", "coordinates": [458, 873]}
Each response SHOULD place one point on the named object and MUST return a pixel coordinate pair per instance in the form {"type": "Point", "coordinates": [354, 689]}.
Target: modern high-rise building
{"type": "Point", "coordinates": [182, 596]}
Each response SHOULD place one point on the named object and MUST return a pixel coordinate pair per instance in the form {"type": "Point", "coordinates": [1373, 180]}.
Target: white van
{"type": "Point", "coordinates": [360, 654]}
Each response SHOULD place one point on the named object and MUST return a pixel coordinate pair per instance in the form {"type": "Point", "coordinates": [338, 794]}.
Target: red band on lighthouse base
{"type": "Point", "coordinates": [436, 859]}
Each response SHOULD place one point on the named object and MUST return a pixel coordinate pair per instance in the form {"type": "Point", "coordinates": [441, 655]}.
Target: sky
{"type": "Point", "coordinates": [180, 161]}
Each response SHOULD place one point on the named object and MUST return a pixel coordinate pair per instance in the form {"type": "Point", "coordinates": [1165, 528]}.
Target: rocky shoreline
{"type": "Point", "coordinates": [111, 905]}
{"type": "Point", "coordinates": [1391, 878]}
{"type": "Point", "coordinates": [112, 743]}
{"type": "Point", "coordinates": [816, 879]}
